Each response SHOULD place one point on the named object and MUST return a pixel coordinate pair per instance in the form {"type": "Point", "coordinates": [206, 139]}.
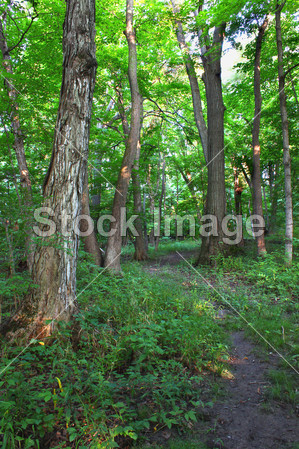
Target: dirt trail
{"type": "Point", "coordinates": [241, 420]}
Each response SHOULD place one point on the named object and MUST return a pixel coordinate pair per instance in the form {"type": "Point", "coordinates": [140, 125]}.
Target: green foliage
{"type": "Point", "coordinates": [136, 366]}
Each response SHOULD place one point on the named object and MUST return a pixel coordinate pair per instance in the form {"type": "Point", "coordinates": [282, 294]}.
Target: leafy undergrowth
{"type": "Point", "coordinates": [139, 362]}
{"type": "Point", "coordinates": [136, 366]}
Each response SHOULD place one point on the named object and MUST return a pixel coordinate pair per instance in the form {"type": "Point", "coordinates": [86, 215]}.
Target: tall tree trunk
{"type": "Point", "coordinates": [91, 245]}
{"type": "Point", "coordinates": [216, 203]}
{"type": "Point", "coordinates": [140, 243]}
{"type": "Point", "coordinates": [196, 98]}
{"type": "Point", "coordinates": [19, 148]}
{"type": "Point", "coordinates": [285, 141]}
{"type": "Point", "coordinates": [112, 259]}
{"type": "Point", "coordinates": [54, 268]}
{"type": "Point", "coordinates": [256, 159]}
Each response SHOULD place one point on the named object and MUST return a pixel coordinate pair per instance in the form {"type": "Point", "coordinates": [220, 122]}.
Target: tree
{"type": "Point", "coordinates": [54, 268]}
{"type": "Point", "coordinates": [112, 259]}
{"type": "Point", "coordinates": [285, 139]}
{"type": "Point", "coordinates": [256, 174]}
{"type": "Point", "coordinates": [216, 202]}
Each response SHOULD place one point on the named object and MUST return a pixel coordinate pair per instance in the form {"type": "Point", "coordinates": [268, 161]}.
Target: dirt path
{"type": "Point", "coordinates": [242, 420]}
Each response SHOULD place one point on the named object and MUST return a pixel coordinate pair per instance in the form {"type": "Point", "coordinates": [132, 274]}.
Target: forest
{"type": "Point", "coordinates": [149, 258]}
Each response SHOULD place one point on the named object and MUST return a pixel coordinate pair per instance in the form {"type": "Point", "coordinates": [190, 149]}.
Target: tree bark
{"type": "Point", "coordinates": [54, 268]}
{"type": "Point", "coordinates": [285, 141]}
{"type": "Point", "coordinates": [256, 159]}
{"type": "Point", "coordinates": [216, 202]}
{"type": "Point", "coordinates": [19, 148]}
{"type": "Point", "coordinates": [112, 259]}
{"type": "Point", "coordinates": [196, 98]}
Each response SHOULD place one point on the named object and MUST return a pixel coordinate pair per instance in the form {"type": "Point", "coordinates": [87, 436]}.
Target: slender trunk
{"type": "Point", "coordinates": [19, 148]}
{"type": "Point", "coordinates": [91, 245]}
{"type": "Point", "coordinates": [160, 204]}
{"type": "Point", "coordinates": [54, 268]}
{"type": "Point", "coordinates": [196, 98]}
{"type": "Point", "coordinates": [112, 259]}
{"type": "Point", "coordinates": [140, 244]}
{"type": "Point", "coordinates": [285, 140]}
{"type": "Point", "coordinates": [144, 222]}
{"type": "Point", "coordinates": [216, 203]}
{"type": "Point", "coordinates": [256, 159]}
{"type": "Point", "coordinates": [273, 184]}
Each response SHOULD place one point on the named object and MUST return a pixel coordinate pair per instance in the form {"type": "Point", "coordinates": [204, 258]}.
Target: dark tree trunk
{"type": "Point", "coordinates": [112, 259]}
{"type": "Point", "coordinates": [256, 159]}
{"type": "Point", "coordinates": [19, 148]}
{"type": "Point", "coordinates": [196, 98]}
{"type": "Point", "coordinates": [54, 268]}
{"type": "Point", "coordinates": [91, 245]}
{"type": "Point", "coordinates": [216, 203]}
{"type": "Point", "coordinates": [285, 140]}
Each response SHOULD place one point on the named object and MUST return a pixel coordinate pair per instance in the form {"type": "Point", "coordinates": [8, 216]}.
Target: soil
{"type": "Point", "coordinates": [243, 419]}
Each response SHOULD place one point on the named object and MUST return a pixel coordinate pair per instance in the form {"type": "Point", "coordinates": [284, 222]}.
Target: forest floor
{"type": "Point", "coordinates": [168, 356]}
{"type": "Point", "coordinates": [243, 415]}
